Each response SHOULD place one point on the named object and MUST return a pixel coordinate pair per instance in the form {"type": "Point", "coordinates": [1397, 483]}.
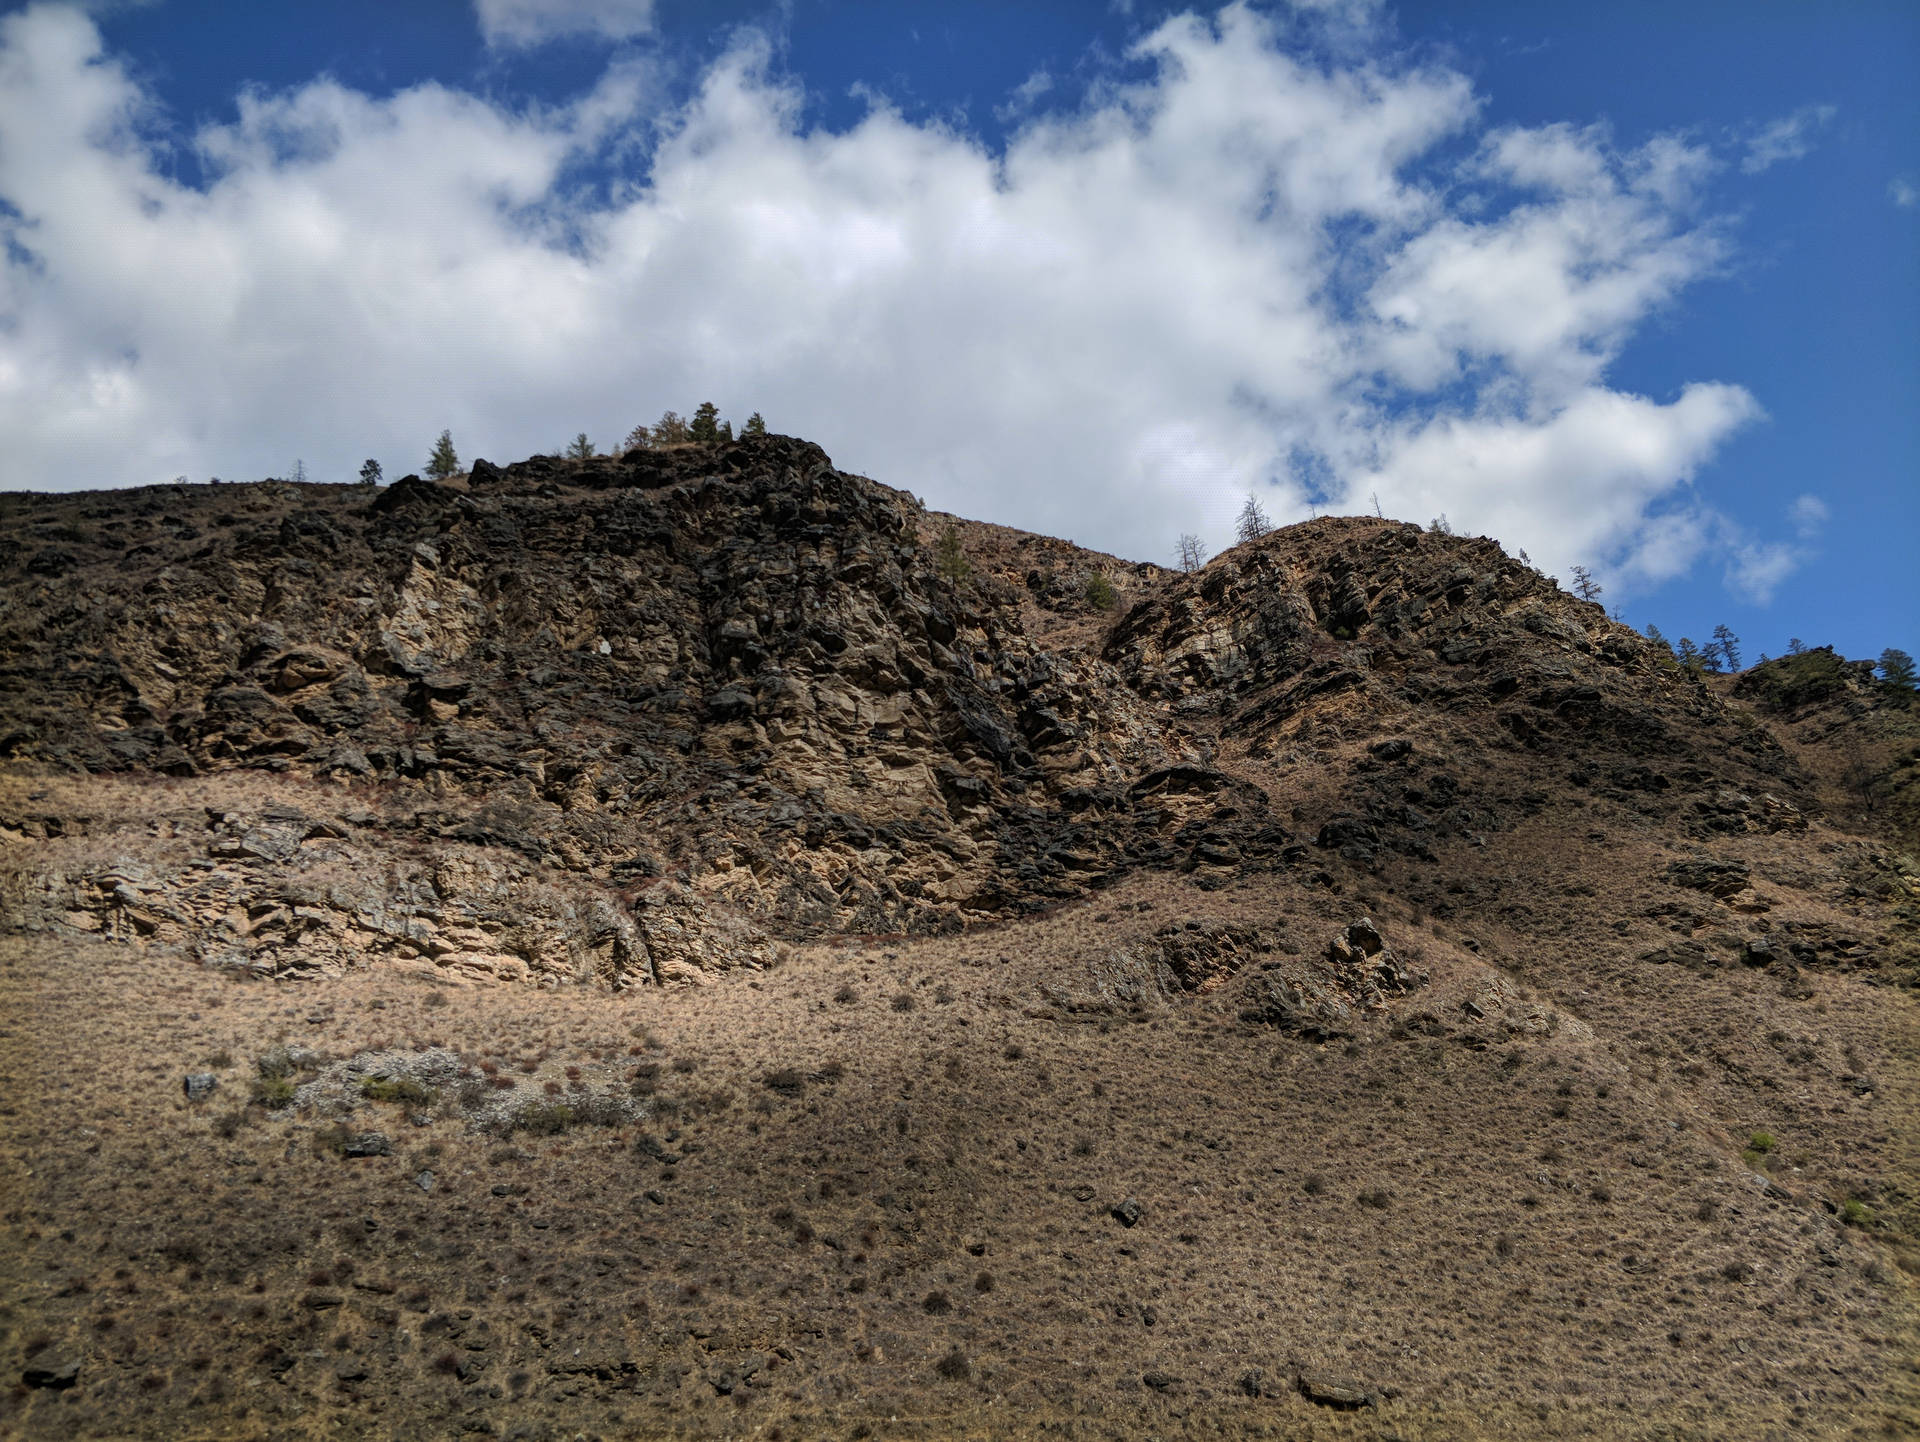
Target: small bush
{"type": "Point", "coordinates": [398, 1089]}
{"type": "Point", "coordinates": [274, 1064]}
{"type": "Point", "coordinates": [786, 1081]}
{"type": "Point", "coordinates": [1099, 593]}
{"type": "Point", "coordinates": [846, 995]}
{"type": "Point", "coordinates": [1762, 1142]}
{"type": "Point", "coordinates": [1856, 1213]}
{"type": "Point", "coordinates": [903, 1001]}
{"type": "Point", "coordinates": [936, 1304]}
{"type": "Point", "coordinates": [954, 1367]}
{"type": "Point", "coordinates": [1377, 1198]}
{"type": "Point", "coordinates": [1314, 1184]}
{"type": "Point", "coordinates": [542, 1119]}
{"type": "Point", "coordinates": [274, 1093]}
{"type": "Point", "coordinates": [332, 1141]}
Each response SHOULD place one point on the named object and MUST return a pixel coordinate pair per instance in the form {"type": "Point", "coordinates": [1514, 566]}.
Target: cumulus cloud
{"type": "Point", "coordinates": [520, 23]}
{"type": "Point", "coordinates": [1903, 192]}
{"type": "Point", "coordinates": [1788, 138]}
{"type": "Point", "coordinates": [1250, 270]}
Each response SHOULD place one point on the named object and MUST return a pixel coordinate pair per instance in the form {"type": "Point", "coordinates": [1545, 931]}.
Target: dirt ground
{"type": "Point", "coordinates": [873, 1193]}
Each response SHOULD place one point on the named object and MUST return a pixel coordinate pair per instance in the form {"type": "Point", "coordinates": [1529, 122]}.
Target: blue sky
{"type": "Point", "coordinates": [1632, 286]}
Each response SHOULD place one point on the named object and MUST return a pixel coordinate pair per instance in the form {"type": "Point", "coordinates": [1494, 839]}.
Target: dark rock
{"type": "Point", "coordinates": [1128, 1213]}
{"type": "Point", "coordinates": [1158, 1380]}
{"type": "Point", "coordinates": [53, 1379]}
{"type": "Point", "coordinates": [199, 1085]}
{"type": "Point", "coordinates": [367, 1144]}
{"type": "Point", "coordinates": [1339, 1392]}
{"type": "Point", "coordinates": [1393, 750]}
{"type": "Point", "coordinates": [1720, 878]}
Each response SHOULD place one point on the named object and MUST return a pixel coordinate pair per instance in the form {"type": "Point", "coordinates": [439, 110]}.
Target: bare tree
{"type": "Point", "coordinates": [1253, 522]}
{"type": "Point", "coordinates": [1192, 552]}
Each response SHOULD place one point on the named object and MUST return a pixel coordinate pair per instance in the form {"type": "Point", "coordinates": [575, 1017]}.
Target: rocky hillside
{"type": "Point", "coordinates": [694, 943]}
{"type": "Point", "coordinates": [738, 673]}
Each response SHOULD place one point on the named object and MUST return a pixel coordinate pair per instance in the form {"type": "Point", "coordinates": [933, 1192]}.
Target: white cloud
{"type": "Point", "coordinates": [521, 23]}
{"type": "Point", "coordinates": [1756, 570]}
{"type": "Point", "coordinates": [1244, 270]}
{"type": "Point", "coordinates": [1788, 138]}
{"type": "Point", "coordinates": [1903, 192]}
{"type": "Point", "coordinates": [1809, 516]}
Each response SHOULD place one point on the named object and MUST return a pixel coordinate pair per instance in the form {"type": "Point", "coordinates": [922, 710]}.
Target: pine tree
{"type": "Point", "coordinates": [444, 461]}
{"type": "Point", "coordinates": [1192, 552]}
{"type": "Point", "coordinates": [754, 426]}
{"type": "Point", "coordinates": [950, 556]}
{"type": "Point", "coordinates": [1896, 669]}
{"type": "Point", "coordinates": [581, 449]}
{"type": "Point", "coordinates": [1689, 655]}
{"type": "Point", "coordinates": [1654, 635]}
{"type": "Point", "coordinates": [1584, 586]}
{"type": "Point", "coordinates": [370, 473]}
{"type": "Point", "coordinates": [1727, 645]}
{"type": "Point", "coordinates": [726, 430]}
{"type": "Point", "coordinates": [1253, 522]}
{"type": "Point", "coordinates": [1795, 646]}
{"type": "Point", "coordinates": [705, 425]}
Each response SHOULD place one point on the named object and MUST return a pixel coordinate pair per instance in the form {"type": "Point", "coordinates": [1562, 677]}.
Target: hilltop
{"type": "Point", "coordinates": [795, 980]}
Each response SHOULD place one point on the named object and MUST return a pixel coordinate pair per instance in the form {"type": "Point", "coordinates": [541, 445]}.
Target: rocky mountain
{"type": "Point", "coordinates": [1361, 853]}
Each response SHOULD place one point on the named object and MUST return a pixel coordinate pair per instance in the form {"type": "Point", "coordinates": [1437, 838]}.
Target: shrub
{"type": "Point", "coordinates": [786, 1081]}
{"type": "Point", "coordinates": [332, 1141]}
{"type": "Point", "coordinates": [1762, 1142]}
{"type": "Point", "coordinates": [542, 1119]}
{"type": "Point", "coordinates": [274, 1064]}
{"type": "Point", "coordinates": [398, 1089]}
{"type": "Point", "coordinates": [1856, 1213]}
{"type": "Point", "coordinates": [903, 1001]}
{"type": "Point", "coordinates": [954, 1367]}
{"type": "Point", "coordinates": [273, 1093]}
{"type": "Point", "coordinates": [1099, 593]}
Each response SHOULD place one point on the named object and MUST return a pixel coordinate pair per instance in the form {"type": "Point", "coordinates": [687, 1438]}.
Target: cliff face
{"type": "Point", "coordinates": [738, 672]}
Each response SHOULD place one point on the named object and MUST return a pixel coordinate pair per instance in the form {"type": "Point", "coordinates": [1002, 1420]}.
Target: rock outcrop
{"type": "Point", "coordinates": [636, 718]}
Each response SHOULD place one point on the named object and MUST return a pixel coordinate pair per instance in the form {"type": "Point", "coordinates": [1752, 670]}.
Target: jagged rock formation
{"type": "Point", "coordinates": [737, 670]}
